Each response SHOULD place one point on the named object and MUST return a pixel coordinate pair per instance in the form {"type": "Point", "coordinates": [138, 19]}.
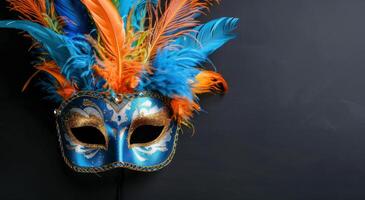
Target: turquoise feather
{"type": "Point", "coordinates": [51, 41]}
{"type": "Point", "coordinates": [73, 55]}
{"type": "Point", "coordinates": [211, 36]}
{"type": "Point", "coordinates": [139, 6]}
{"type": "Point", "coordinates": [177, 64]}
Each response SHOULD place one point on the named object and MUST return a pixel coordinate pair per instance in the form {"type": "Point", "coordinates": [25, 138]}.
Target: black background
{"type": "Point", "coordinates": [291, 127]}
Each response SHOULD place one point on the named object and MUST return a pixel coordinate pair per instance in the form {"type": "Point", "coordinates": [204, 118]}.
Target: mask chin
{"type": "Point", "coordinates": [98, 133]}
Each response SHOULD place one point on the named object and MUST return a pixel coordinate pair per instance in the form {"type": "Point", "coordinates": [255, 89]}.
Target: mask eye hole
{"type": "Point", "coordinates": [87, 128]}
{"type": "Point", "coordinates": [89, 135]}
{"type": "Point", "coordinates": [145, 134]}
{"type": "Point", "coordinates": [148, 130]}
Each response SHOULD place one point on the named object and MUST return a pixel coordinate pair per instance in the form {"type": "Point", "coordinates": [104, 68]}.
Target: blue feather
{"type": "Point", "coordinates": [74, 55]}
{"type": "Point", "coordinates": [51, 41]}
{"type": "Point", "coordinates": [48, 84]}
{"type": "Point", "coordinates": [76, 17]}
{"type": "Point", "coordinates": [174, 71]}
{"type": "Point", "coordinates": [125, 6]}
{"type": "Point", "coordinates": [140, 13]}
{"type": "Point", "coordinates": [176, 65]}
{"type": "Point", "coordinates": [78, 67]}
{"type": "Point", "coordinates": [139, 7]}
{"type": "Point", "coordinates": [211, 36]}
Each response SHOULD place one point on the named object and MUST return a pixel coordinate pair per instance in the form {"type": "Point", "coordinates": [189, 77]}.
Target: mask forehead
{"type": "Point", "coordinates": [118, 121]}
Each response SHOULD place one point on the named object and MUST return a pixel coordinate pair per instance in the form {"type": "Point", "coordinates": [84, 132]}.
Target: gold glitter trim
{"type": "Point", "coordinates": [114, 165]}
{"type": "Point", "coordinates": [77, 120]}
{"type": "Point", "coordinates": [158, 119]}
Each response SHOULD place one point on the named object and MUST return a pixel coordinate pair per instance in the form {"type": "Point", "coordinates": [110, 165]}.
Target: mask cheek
{"type": "Point", "coordinates": [80, 156]}
{"type": "Point", "coordinates": [79, 150]}
{"type": "Point", "coordinates": [83, 137]}
{"type": "Point", "coordinates": [160, 153]}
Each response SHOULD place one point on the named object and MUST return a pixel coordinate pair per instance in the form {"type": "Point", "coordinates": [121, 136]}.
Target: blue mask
{"type": "Point", "coordinates": [106, 49]}
{"type": "Point", "coordinates": [98, 133]}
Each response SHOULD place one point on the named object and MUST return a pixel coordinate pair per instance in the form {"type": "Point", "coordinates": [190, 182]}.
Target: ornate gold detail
{"type": "Point", "coordinates": [77, 120]}
{"type": "Point", "coordinates": [114, 165]}
{"type": "Point", "coordinates": [157, 119]}
{"type": "Point", "coordinates": [118, 164]}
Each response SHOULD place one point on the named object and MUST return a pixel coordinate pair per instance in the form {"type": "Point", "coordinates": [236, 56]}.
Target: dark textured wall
{"type": "Point", "coordinates": [291, 127]}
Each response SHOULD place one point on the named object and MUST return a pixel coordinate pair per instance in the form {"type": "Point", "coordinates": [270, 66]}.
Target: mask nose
{"type": "Point", "coordinates": [121, 145]}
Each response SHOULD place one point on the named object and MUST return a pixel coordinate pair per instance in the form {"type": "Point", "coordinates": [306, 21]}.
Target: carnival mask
{"type": "Point", "coordinates": [126, 74]}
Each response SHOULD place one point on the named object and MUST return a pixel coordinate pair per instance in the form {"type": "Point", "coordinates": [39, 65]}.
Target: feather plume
{"type": "Point", "coordinates": [78, 67]}
{"type": "Point", "coordinates": [177, 19]}
{"type": "Point", "coordinates": [183, 109]}
{"type": "Point", "coordinates": [209, 81]}
{"type": "Point", "coordinates": [122, 64]}
{"type": "Point", "coordinates": [111, 29]}
{"type": "Point", "coordinates": [166, 57]}
{"type": "Point", "coordinates": [136, 8]}
{"type": "Point", "coordinates": [174, 71]}
{"type": "Point", "coordinates": [76, 19]}
{"type": "Point", "coordinates": [73, 55]}
{"type": "Point", "coordinates": [176, 64]}
{"type": "Point", "coordinates": [29, 80]}
{"type": "Point", "coordinates": [63, 87]}
{"type": "Point", "coordinates": [39, 11]}
{"type": "Point", "coordinates": [124, 6]}
{"type": "Point", "coordinates": [33, 10]}
{"type": "Point", "coordinates": [211, 36]}
{"type": "Point", "coordinates": [51, 41]}
{"type": "Point", "coordinates": [139, 12]}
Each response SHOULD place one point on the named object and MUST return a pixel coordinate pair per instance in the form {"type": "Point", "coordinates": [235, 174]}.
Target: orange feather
{"type": "Point", "coordinates": [125, 84]}
{"type": "Point", "coordinates": [178, 17]}
{"type": "Point", "coordinates": [64, 88]}
{"type": "Point", "coordinates": [209, 81]}
{"type": "Point", "coordinates": [111, 30]}
{"type": "Point", "coordinates": [34, 10]}
{"type": "Point", "coordinates": [183, 109]}
{"type": "Point", "coordinates": [122, 63]}
{"type": "Point", "coordinates": [29, 80]}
